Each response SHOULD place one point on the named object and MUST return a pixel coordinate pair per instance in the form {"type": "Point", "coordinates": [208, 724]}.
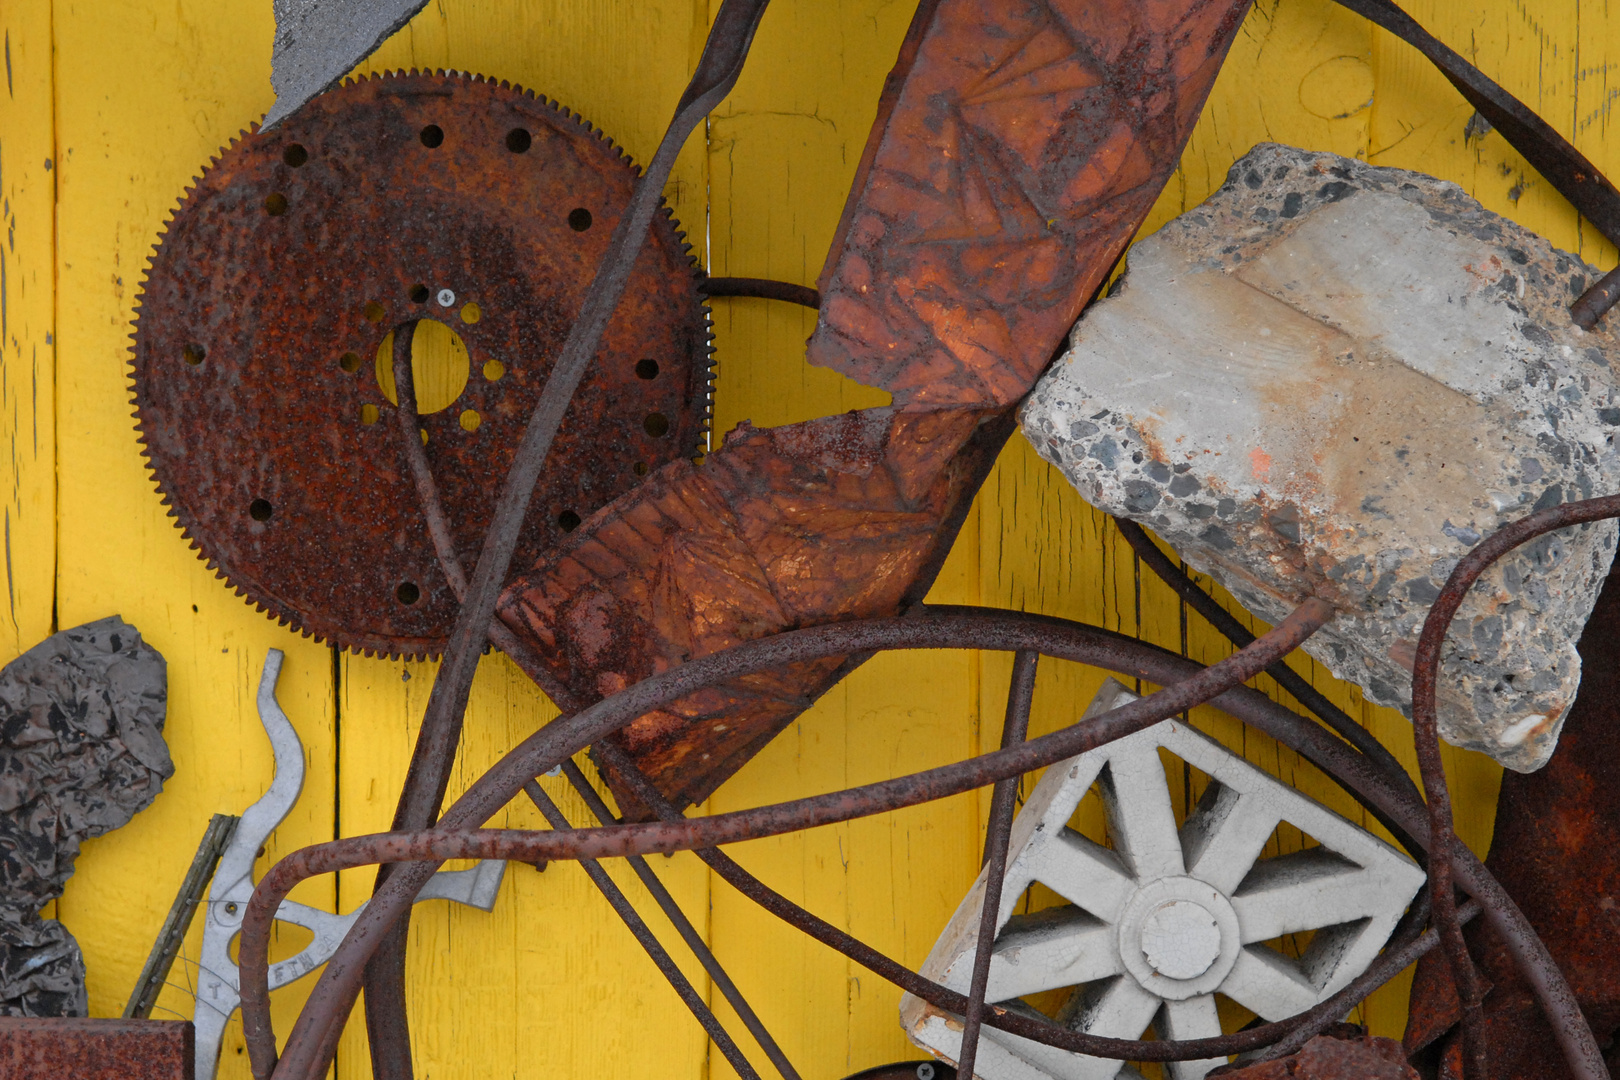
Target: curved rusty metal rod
{"type": "Point", "coordinates": [339, 982]}
{"type": "Point", "coordinates": [503, 638]}
{"type": "Point", "coordinates": [763, 288]}
{"type": "Point", "coordinates": [644, 935]}
{"type": "Point", "coordinates": [1407, 945]}
{"type": "Point", "coordinates": [1285, 676]}
{"type": "Point", "coordinates": [997, 834]}
{"type": "Point", "coordinates": [1574, 1035]}
{"type": "Point", "coordinates": [314, 1041]}
{"type": "Point", "coordinates": [938, 628]}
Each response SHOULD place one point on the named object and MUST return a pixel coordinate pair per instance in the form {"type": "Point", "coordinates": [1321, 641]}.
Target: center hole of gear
{"type": "Point", "coordinates": [439, 367]}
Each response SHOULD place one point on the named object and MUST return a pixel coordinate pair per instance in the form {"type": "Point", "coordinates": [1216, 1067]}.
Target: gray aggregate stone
{"type": "Point", "coordinates": [1333, 379]}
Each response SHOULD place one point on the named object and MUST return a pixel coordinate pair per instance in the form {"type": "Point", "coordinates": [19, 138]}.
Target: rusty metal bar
{"type": "Point", "coordinates": [1597, 300]}
{"type": "Point", "coordinates": [948, 627]}
{"type": "Point", "coordinates": [763, 288]}
{"type": "Point", "coordinates": [1574, 1035]}
{"type": "Point", "coordinates": [1014, 729]}
{"type": "Point", "coordinates": [50, 1048]}
{"type": "Point", "coordinates": [644, 937]}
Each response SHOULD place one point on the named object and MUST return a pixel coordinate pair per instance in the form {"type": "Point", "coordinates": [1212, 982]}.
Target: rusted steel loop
{"type": "Point", "coordinates": [339, 982]}
{"type": "Point", "coordinates": [763, 288]}
{"type": "Point", "coordinates": [998, 832]}
{"type": "Point", "coordinates": [1552, 155]}
{"type": "Point", "coordinates": [966, 628]}
{"type": "Point", "coordinates": [943, 628]}
{"type": "Point", "coordinates": [1574, 1035]}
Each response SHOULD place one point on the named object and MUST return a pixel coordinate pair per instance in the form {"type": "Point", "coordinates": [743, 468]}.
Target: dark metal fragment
{"type": "Point", "coordinates": [81, 752]}
{"type": "Point", "coordinates": [54, 1049]}
{"type": "Point", "coordinates": [263, 404]}
{"type": "Point", "coordinates": [1332, 1057]}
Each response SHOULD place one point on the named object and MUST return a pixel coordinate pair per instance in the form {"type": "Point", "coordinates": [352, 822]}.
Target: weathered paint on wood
{"type": "Point", "coordinates": [130, 100]}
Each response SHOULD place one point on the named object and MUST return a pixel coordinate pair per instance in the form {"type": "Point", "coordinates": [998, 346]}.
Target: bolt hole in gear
{"type": "Point", "coordinates": [470, 209]}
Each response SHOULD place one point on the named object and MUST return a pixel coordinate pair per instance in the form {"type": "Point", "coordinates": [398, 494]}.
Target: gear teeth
{"type": "Point", "coordinates": [283, 616]}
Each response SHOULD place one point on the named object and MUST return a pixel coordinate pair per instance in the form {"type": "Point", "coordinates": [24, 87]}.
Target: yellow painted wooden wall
{"type": "Point", "coordinates": [111, 106]}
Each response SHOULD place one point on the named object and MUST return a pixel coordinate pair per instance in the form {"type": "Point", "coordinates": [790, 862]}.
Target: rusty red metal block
{"type": "Point", "coordinates": [85, 1049]}
{"type": "Point", "coordinates": [1018, 148]}
{"type": "Point", "coordinates": [1554, 852]}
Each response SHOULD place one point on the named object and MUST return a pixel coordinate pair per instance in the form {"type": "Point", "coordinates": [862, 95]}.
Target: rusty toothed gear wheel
{"type": "Point", "coordinates": [262, 375]}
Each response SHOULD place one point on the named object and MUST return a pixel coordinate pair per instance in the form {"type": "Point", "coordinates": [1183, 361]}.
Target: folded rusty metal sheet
{"type": "Point", "coordinates": [844, 517]}
{"type": "Point", "coordinates": [1014, 155]}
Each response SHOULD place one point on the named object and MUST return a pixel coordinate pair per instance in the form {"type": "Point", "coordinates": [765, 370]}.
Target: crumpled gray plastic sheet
{"type": "Point", "coordinates": [320, 41]}
{"type": "Point", "coordinates": [81, 752]}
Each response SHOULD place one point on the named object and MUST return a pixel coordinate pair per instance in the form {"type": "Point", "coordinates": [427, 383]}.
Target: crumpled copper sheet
{"type": "Point", "coordinates": [81, 752]}
{"type": "Point", "coordinates": [1017, 150]}
{"type": "Point", "coordinates": [1554, 852]}
{"type": "Point", "coordinates": [1328, 1057]}
{"type": "Point", "coordinates": [845, 517]}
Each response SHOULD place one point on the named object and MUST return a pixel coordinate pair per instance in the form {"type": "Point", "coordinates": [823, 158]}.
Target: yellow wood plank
{"type": "Point", "coordinates": [550, 984]}
{"type": "Point", "coordinates": [145, 93]}
{"type": "Point", "coordinates": [27, 318]}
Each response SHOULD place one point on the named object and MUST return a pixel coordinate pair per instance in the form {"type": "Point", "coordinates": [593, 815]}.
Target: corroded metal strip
{"type": "Point", "coordinates": [1018, 147]}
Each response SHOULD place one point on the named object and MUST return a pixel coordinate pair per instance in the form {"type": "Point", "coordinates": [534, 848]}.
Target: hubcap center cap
{"type": "Point", "coordinates": [1180, 939]}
